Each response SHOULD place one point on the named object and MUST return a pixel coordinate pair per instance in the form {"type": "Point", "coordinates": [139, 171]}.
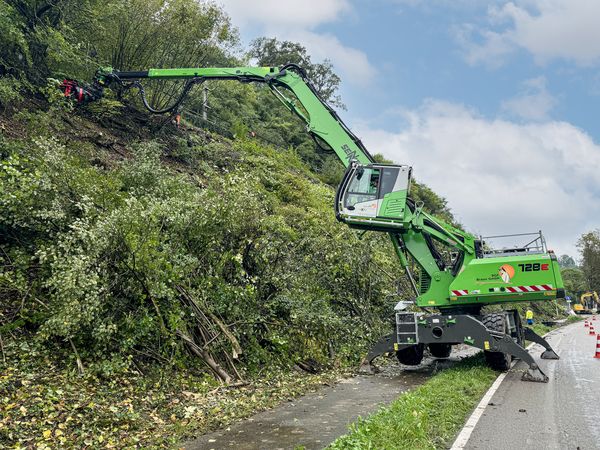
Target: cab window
{"type": "Point", "coordinates": [364, 187]}
{"type": "Point", "coordinates": [388, 180]}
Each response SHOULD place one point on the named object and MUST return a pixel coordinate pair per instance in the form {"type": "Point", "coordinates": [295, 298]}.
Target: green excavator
{"type": "Point", "coordinates": [451, 271]}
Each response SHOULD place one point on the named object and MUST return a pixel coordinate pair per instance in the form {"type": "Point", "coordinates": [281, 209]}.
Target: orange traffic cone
{"type": "Point", "coordinates": [592, 332]}
{"type": "Point", "coordinates": [597, 355]}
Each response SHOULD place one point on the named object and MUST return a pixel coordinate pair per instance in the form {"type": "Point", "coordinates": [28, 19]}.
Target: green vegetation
{"type": "Point", "coordinates": [589, 247]}
{"type": "Point", "coordinates": [582, 277]}
{"type": "Point", "coordinates": [177, 255]}
{"type": "Point", "coordinates": [158, 282]}
{"type": "Point", "coordinates": [428, 417]}
{"type": "Point", "coordinates": [240, 255]}
{"type": "Point", "coordinates": [540, 328]}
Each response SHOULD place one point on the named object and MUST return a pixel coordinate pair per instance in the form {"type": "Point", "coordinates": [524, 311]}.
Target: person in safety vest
{"type": "Point", "coordinates": [529, 316]}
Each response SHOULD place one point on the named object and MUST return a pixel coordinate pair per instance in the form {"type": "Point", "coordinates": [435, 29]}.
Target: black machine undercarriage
{"type": "Point", "coordinates": [500, 335]}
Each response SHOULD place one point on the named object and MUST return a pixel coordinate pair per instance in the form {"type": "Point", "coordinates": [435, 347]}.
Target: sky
{"type": "Point", "coordinates": [493, 104]}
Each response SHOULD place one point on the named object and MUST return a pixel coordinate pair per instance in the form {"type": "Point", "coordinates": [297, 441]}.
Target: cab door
{"type": "Point", "coordinates": [362, 196]}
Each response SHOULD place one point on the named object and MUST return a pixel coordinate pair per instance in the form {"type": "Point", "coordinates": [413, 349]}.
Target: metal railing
{"type": "Point", "coordinates": [522, 244]}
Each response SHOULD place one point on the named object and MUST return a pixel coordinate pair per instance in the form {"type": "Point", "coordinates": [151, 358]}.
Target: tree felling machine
{"type": "Point", "coordinates": [452, 272]}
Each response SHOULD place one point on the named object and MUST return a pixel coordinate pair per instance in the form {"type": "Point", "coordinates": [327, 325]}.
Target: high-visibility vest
{"type": "Point", "coordinates": [529, 314]}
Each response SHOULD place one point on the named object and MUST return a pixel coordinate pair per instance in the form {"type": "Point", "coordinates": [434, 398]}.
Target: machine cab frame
{"type": "Point", "coordinates": [373, 191]}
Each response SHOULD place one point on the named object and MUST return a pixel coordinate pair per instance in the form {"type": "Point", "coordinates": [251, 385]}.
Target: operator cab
{"type": "Point", "coordinates": [373, 196]}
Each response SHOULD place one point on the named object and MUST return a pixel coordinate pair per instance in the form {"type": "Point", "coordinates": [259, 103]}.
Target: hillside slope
{"type": "Point", "coordinates": [132, 247]}
{"type": "Point", "coordinates": [120, 231]}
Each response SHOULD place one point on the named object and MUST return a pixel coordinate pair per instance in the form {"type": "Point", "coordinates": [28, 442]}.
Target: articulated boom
{"type": "Point", "coordinates": [322, 121]}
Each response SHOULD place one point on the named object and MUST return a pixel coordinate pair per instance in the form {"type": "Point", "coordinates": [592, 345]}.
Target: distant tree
{"type": "Point", "coordinates": [574, 280]}
{"type": "Point", "coordinates": [566, 262]}
{"type": "Point", "coordinates": [589, 247]}
{"type": "Point", "coordinates": [432, 202]}
{"type": "Point", "coordinates": [272, 52]}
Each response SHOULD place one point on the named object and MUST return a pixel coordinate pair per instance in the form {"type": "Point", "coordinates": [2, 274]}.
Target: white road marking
{"type": "Point", "coordinates": [465, 434]}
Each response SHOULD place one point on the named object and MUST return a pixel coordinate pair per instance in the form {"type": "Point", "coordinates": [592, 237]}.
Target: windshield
{"type": "Point", "coordinates": [363, 187]}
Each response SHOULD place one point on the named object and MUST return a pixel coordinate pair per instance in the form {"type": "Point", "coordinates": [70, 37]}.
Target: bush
{"type": "Point", "coordinates": [140, 260]}
{"type": "Point", "coordinates": [10, 91]}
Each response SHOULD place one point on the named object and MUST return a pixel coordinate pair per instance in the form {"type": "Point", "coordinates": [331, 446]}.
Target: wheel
{"type": "Point", "coordinates": [440, 350]}
{"type": "Point", "coordinates": [496, 360]}
{"type": "Point", "coordinates": [411, 356]}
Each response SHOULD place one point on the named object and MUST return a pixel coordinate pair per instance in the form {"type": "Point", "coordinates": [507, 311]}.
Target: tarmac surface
{"type": "Point", "coordinates": [562, 414]}
{"type": "Point", "coordinates": [317, 419]}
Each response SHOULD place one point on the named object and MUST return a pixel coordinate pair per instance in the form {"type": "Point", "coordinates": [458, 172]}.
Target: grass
{"type": "Point", "coordinates": [572, 319]}
{"type": "Point", "coordinates": [540, 328]}
{"type": "Point", "coordinates": [428, 417]}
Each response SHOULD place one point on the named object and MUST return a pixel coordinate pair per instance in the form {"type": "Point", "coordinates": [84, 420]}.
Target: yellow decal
{"type": "Point", "coordinates": [431, 302]}
{"type": "Point", "coordinates": [486, 345]}
{"type": "Point", "coordinates": [453, 298]}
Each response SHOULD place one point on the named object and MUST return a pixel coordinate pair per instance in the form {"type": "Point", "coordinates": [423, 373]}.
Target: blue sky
{"type": "Point", "coordinates": [492, 103]}
{"type": "Point", "coordinates": [418, 54]}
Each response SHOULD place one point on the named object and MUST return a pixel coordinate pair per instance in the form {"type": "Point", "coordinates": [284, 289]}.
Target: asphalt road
{"type": "Point", "coordinates": [317, 419]}
{"type": "Point", "coordinates": [562, 414]}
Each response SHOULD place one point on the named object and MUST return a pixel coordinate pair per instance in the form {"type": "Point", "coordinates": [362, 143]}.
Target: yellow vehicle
{"type": "Point", "coordinates": [588, 303]}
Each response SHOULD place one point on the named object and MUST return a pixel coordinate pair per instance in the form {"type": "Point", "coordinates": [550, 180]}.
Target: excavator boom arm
{"type": "Point", "coordinates": [321, 120]}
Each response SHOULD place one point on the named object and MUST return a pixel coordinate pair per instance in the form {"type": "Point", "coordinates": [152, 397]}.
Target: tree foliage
{"type": "Point", "coordinates": [233, 264]}
{"type": "Point", "coordinates": [574, 280]}
{"type": "Point", "coordinates": [566, 262]}
{"type": "Point", "coordinates": [139, 34]}
{"type": "Point", "coordinates": [589, 248]}
{"type": "Point", "coordinates": [273, 52]}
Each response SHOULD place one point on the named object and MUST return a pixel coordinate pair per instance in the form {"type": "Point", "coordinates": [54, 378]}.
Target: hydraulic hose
{"type": "Point", "coordinates": [186, 89]}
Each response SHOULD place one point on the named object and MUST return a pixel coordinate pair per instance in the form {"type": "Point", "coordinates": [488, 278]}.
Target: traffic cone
{"type": "Point", "coordinates": [586, 324]}
{"type": "Point", "coordinates": [597, 355]}
{"type": "Point", "coordinates": [592, 332]}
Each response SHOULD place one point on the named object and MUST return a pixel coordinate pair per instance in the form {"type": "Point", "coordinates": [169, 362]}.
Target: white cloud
{"type": "Point", "coordinates": [350, 61]}
{"type": "Point", "coordinates": [294, 13]}
{"type": "Point", "coordinates": [548, 29]}
{"type": "Point", "coordinates": [499, 176]}
{"type": "Point", "coordinates": [534, 102]}
{"type": "Point", "coordinates": [297, 20]}
{"type": "Point", "coordinates": [493, 52]}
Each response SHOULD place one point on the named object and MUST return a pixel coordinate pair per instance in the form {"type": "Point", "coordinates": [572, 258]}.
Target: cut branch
{"type": "Point", "coordinates": [236, 347]}
{"type": "Point", "coordinates": [79, 363]}
{"type": "Point", "coordinates": [2, 348]}
{"type": "Point", "coordinates": [206, 357]}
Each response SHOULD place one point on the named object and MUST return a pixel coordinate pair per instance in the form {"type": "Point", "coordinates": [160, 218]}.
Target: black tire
{"type": "Point", "coordinates": [440, 350]}
{"type": "Point", "coordinates": [411, 356]}
{"type": "Point", "coordinates": [497, 360]}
